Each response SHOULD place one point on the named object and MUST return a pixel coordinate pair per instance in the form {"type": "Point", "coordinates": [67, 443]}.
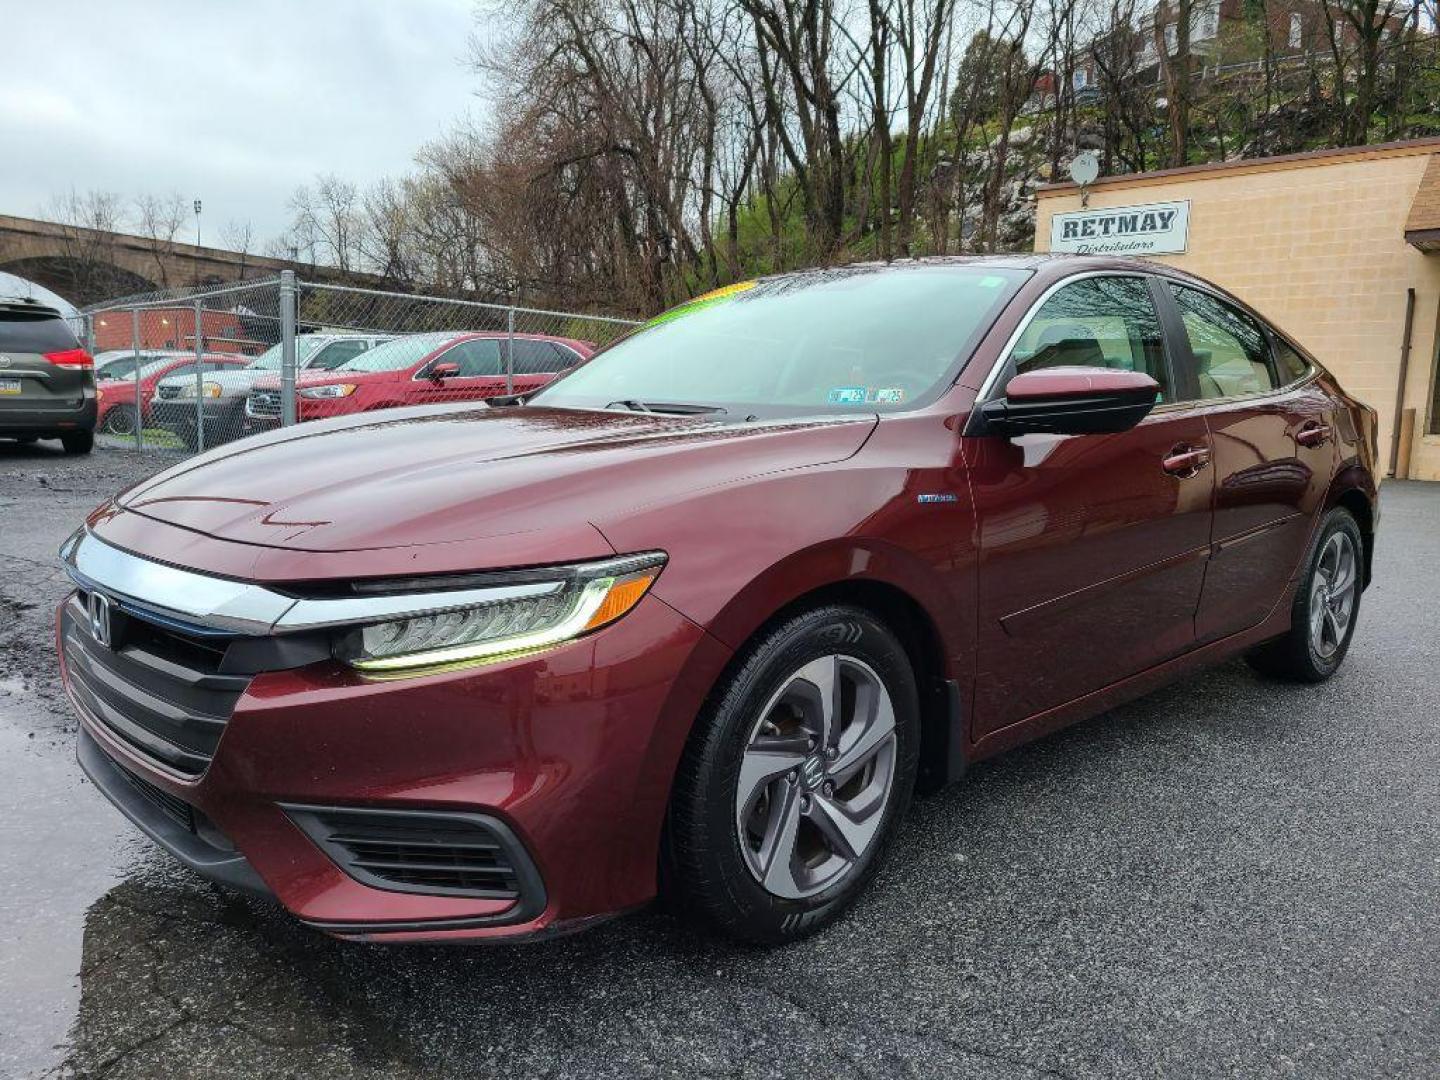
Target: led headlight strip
{"type": "Point", "coordinates": [584, 597]}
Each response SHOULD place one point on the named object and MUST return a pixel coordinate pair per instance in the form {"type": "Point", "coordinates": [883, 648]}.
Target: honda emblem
{"type": "Point", "coordinates": [100, 618]}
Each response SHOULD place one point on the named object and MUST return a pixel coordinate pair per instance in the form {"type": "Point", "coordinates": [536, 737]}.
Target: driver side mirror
{"type": "Point", "coordinates": [441, 372]}
{"type": "Point", "coordinates": [1070, 401]}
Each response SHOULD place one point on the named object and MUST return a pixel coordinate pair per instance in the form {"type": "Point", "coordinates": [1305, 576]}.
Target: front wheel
{"type": "Point", "coordinates": [795, 778]}
{"type": "Point", "coordinates": [121, 420]}
{"type": "Point", "coordinates": [1322, 620]}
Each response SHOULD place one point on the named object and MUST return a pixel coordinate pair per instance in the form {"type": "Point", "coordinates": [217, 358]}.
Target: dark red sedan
{"type": "Point", "coordinates": [708, 609]}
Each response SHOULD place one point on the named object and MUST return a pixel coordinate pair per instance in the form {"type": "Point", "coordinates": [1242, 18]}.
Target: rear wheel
{"type": "Point", "coordinates": [78, 442]}
{"type": "Point", "coordinates": [795, 778]}
{"type": "Point", "coordinates": [1322, 619]}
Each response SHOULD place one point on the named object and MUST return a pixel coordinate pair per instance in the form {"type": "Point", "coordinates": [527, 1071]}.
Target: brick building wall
{"type": "Point", "coordinates": [1316, 243]}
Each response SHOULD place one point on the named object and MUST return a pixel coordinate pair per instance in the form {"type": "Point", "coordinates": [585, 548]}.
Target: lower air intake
{"type": "Point", "coordinates": [420, 851]}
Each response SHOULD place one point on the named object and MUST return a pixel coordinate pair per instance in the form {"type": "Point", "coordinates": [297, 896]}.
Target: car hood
{"type": "Point", "coordinates": [237, 381]}
{"type": "Point", "coordinates": [428, 475]}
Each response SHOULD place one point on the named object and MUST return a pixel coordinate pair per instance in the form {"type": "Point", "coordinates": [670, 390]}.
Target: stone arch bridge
{"type": "Point", "coordinates": [89, 265]}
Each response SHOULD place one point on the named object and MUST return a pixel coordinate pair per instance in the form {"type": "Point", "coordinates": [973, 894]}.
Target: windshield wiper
{"type": "Point", "coordinates": [678, 408]}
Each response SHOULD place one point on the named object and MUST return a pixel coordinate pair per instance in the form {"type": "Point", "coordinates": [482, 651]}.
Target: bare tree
{"type": "Point", "coordinates": [239, 237]}
{"type": "Point", "coordinates": [158, 218]}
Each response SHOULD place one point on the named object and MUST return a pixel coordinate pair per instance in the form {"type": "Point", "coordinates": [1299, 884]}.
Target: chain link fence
{"type": "Point", "coordinates": [191, 369]}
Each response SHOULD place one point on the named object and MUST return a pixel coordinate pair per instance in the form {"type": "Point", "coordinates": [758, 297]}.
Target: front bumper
{"type": "Point", "coordinates": [178, 414]}
{"type": "Point", "coordinates": [571, 751]}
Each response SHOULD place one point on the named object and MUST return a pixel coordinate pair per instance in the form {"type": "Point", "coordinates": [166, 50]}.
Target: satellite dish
{"type": "Point", "coordinates": [1085, 168]}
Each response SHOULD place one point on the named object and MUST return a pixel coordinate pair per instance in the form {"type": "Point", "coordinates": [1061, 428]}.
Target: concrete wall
{"type": "Point", "coordinates": [1316, 244]}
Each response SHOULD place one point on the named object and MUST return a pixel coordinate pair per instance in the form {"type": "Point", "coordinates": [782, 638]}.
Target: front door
{"type": "Point", "coordinates": [1091, 547]}
{"type": "Point", "coordinates": [481, 374]}
{"type": "Point", "coordinates": [1272, 436]}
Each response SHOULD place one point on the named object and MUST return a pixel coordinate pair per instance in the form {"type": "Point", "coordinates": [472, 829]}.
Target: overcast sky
{"type": "Point", "coordinates": [235, 102]}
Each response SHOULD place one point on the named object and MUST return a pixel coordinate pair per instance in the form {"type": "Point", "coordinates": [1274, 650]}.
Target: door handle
{"type": "Point", "coordinates": [1183, 460]}
{"type": "Point", "coordinates": [1313, 434]}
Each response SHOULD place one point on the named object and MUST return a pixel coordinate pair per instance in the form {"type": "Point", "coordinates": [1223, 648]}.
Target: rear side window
{"type": "Point", "coordinates": [1105, 322]}
{"type": "Point", "coordinates": [38, 332]}
{"type": "Point", "coordinates": [1231, 355]}
{"type": "Point", "coordinates": [1291, 365]}
{"type": "Point", "coordinates": [540, 358]}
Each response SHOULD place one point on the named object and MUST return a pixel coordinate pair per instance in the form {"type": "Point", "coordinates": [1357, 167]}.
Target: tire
{"type": "Point", "coordinates": [78, 442]}
{"type": "Point", "coordinates": [1323, 617]}
{"type": "Point", "coordinates": [726, 857]}
{"type": "Point", "coordinates": [120, 420]}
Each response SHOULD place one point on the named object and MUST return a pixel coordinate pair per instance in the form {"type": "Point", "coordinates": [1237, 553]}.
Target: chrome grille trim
{"type": "Point", "coordinates": [202, 604]}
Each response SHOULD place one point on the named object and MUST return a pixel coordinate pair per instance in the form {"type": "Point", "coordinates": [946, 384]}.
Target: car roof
{"type": "Point", "coordinates": [28, 305]}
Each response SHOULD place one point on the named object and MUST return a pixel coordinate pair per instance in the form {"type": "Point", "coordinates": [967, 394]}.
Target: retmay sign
{"type": "Point", "coordinates": [1151, 229]}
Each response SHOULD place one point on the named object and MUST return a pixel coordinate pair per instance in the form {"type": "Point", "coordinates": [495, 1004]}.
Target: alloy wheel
{"type": "Point", "coordinates": [120, 421]}
{"type": "Point", "coordinates": [816, 777]}
{"type": "Point", "coordinates": [1332, 594]}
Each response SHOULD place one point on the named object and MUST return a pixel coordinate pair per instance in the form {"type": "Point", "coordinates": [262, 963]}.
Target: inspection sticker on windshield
{"type": "Point", "coordinates": [866, 395]}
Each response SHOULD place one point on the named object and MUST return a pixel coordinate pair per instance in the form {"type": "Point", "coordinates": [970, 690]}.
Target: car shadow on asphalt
{"type": "Point", "coordinates": [177, 974]}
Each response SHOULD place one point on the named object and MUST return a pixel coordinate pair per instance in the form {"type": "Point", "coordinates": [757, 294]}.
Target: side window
{"type": "Point", "coordinates": [336, 353]}
{"type": "Point", "coordinates": [1231, 354]}
{"type": "Point", "coordinates": [1291, 365]}
{"type": "Point", "coordinates": [477, 359]}
{"type": "Point", "coordinates": [1107, 322]}
{"type": "Point", "coordinates": [538, 358]}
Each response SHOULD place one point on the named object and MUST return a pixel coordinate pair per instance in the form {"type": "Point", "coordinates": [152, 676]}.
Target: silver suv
{"type": "Point", "coordinates": [222, 409]}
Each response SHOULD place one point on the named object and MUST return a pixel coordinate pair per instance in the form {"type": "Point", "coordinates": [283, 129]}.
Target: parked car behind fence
{"type": "Point", "coordinates": [421, 369]}
{"type": "Point", "coordinates": [116, 385]}
{"type": "Point", "coordinates": [222, 408]}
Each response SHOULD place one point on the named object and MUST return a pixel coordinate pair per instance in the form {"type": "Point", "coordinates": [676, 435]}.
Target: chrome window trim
{"type": "Point", "coordinates": [222, 604]}
{"type": "Point", "coordinates": [988, 385]}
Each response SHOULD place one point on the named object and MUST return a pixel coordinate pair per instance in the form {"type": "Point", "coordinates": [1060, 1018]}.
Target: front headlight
{"type": "Point", "coordinates": [210, 389]}
{"type": "Point", "coordinates": [334, 390]}
{"type": "Point", "coordinates": [541, 609]}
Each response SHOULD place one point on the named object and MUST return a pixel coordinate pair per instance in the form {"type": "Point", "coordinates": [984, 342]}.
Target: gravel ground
{"type": "Point", "coordinates": [1228, 878]}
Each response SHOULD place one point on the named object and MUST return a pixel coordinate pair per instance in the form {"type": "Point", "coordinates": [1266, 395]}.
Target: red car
{"type": "Point", "coordinates": [115, 397]}
{"type": "Point", "coordinates": [705, 611]}
{"type": "Point", "coordinates": [419, 369]}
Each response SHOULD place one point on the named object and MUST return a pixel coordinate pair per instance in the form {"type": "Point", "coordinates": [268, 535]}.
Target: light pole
{"type": "Point", "coordinates": [197, 241]}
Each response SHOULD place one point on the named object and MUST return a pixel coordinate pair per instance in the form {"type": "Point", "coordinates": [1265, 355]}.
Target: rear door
{"type": "Point", "coordinates": [538, 362]}
{"type": "Point", "coordinates": [1274, 452]}
{"type": "Point", "coordinates": [1092, 547]}
{"type": "Point", "coordinates": [41, 378]}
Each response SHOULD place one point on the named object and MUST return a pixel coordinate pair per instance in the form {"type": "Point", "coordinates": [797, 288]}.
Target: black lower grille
{"type": "Point", "coordinates": [159, 690]}
{"type": "Point", "coordinates": [177, 810]}
{"type": "Point", "coordinates": [432, 852]}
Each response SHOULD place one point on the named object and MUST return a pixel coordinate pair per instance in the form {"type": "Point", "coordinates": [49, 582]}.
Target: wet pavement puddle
{"type": "Point", "coordinates": [61, 849]}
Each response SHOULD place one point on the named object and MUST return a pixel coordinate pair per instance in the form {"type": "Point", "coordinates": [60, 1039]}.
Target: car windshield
{"type": "Point", "coordinates": [875, 339]}
{"type": "Point", "coordinates": [124, 367]}
{"type": "Point", "coordinates": [270, 359]}
{"type": "Point", "coordinates": [399, 354]}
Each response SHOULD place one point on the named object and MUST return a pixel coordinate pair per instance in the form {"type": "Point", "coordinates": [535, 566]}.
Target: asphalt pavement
{"type": "Point", "coordinates": [1230, 877]}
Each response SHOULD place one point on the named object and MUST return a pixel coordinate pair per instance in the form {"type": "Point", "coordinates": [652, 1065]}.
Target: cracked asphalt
{"type": "Point", "coordinates": [1230, 877]}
